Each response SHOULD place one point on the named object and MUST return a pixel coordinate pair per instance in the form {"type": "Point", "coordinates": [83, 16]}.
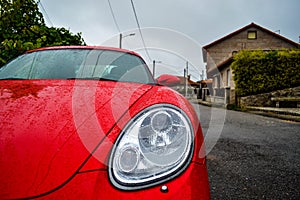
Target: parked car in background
{"type": "Point", "coordinates": [82, 122]}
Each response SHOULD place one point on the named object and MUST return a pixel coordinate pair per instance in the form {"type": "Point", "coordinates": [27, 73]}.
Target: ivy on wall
{"type": "Point", "coordinates": [261, 71]}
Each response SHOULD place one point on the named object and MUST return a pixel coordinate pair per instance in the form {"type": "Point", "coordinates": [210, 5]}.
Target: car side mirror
{"type": "Point", "coordinates": [168, 80]}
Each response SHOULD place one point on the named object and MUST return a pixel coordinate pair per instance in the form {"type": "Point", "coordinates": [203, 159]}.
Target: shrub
{"type": "Point", "coordinates": [261, 71]}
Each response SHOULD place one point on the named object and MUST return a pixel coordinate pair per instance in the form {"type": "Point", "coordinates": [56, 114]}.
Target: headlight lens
{"type": "Point", "coordinates": [155, 146]}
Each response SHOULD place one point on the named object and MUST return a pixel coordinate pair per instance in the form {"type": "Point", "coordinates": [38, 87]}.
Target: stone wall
{"type": "Point", "coordinates": [232, 99]}
{"type": "Point", "coordinates": [264, 100]}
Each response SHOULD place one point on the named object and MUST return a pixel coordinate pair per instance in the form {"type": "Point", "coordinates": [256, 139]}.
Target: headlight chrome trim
{"type": "Point", "coordinates": [177, 168]}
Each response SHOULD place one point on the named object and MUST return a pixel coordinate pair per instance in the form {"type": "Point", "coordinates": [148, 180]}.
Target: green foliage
{"type": "Point", "coordinates": [265, 71]}
{"type": "Point", "coordinates": [22, 27]}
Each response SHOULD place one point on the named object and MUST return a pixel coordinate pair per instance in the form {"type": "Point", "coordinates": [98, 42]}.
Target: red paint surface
{"type": "Point", "coordinates": [91, 185]}
{"type": "Point", "coordinates": [46, 135]}
{"type": "Point", "coordinates": [56, 136]}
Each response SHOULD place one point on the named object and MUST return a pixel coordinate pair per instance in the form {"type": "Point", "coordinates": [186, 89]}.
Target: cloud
{"type": "Point", "coordinates": [202, 21]}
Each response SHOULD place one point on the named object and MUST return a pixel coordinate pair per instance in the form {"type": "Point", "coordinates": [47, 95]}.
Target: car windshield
{"type": "Point", "coordinates": [88, 64]}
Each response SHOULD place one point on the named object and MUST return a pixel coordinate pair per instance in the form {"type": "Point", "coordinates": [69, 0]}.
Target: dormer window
{"type": "Point", "coordinates": [252, 35]}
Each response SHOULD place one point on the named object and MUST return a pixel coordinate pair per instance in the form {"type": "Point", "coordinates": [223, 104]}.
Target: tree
{"type": "Point", "coordinates": [22, 27]}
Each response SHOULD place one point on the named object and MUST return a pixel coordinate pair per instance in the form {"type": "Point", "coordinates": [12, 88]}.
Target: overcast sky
{"type": "Point", "coordinates": [173, 30]}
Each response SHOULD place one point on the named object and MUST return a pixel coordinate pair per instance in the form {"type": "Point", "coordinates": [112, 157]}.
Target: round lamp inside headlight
{"type": "Point", "coordinates": [161, 122]}
{"type": "Point", "coordinates": [128, 159]}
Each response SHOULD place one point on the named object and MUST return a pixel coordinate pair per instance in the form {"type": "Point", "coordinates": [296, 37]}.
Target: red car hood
{"type": "Point", "coordinates": [48, 129]}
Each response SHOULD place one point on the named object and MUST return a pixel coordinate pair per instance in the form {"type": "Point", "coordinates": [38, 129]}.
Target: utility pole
{"type": "Point", "coordinates": [184, 76]}
{"type": "Point", "coordinates": [153, 71]}
{"type": "Point", "coordinates": [186, 79]}
{"type": "Point", "coordinates": [121, 37]}
{"type": "Point", "coordinates": [120, 40]}
{"type": "Point", "coordinates": [187, 68]}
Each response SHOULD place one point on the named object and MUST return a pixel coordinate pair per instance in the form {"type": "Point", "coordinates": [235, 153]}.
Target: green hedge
{"type": "Point", "coordinates": [261, 71]}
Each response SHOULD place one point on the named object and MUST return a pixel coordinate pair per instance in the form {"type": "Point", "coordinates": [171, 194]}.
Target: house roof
{"type": "Point", "coordinates": [221, 66]}
{"type": "Point", "coordinates": [225, 62]}
{"type": "Point", "coordinates": [207, 81]}
{"type": "Point", "coordinates": [252, 25]}
{"type": "Point", "coordinates": [190, 82]}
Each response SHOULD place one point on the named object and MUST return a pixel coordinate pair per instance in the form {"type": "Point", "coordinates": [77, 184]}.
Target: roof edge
{"type": "Point", "coordinates": [246, 27]}
{"type": "Point", "coordinates": [84, 47]}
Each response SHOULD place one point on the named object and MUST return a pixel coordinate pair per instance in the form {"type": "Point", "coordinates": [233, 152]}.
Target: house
{"type": "Point", "coordinates": [204, 87]}
{"type": "Point", "coordinates": [218, 56]}
{"type": "Point", "coordinates": [187, 87]}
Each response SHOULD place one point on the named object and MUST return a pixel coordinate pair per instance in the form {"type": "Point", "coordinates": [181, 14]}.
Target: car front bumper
{"type": "Point", "coordinates": [95, 184]}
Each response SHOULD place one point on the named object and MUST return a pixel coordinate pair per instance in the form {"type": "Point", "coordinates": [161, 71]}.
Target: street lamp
{"type": "Point", "coordinates": [123, 36]}
{"type": "Point", "coordinates": [154, 66]}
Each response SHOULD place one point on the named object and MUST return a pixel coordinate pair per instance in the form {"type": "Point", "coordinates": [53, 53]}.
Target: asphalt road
{"type": "Point", "coordinates": [251, 156]}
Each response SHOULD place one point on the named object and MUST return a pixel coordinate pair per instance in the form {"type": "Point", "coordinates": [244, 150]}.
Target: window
{"type": "Point", "coordinates": [252, 35]}
{"type": "Point", "coordinates": [215, 82]}
{"type": "Point", "coordinates": [228, 78]}
{"type": "Point", "coordinates": [222, 79]}
{"type": "Point", "coordinates": [19, 68]}
{"type": "Point", "coordinates": [71, 63]}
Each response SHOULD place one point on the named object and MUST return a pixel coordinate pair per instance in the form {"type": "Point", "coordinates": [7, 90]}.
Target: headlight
{"type": "Point", "coordinates": [155, 146]}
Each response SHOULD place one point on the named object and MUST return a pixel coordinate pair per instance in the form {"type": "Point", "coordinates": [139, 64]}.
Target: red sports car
{"type": "Point", "coordinates": [91, 123]}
